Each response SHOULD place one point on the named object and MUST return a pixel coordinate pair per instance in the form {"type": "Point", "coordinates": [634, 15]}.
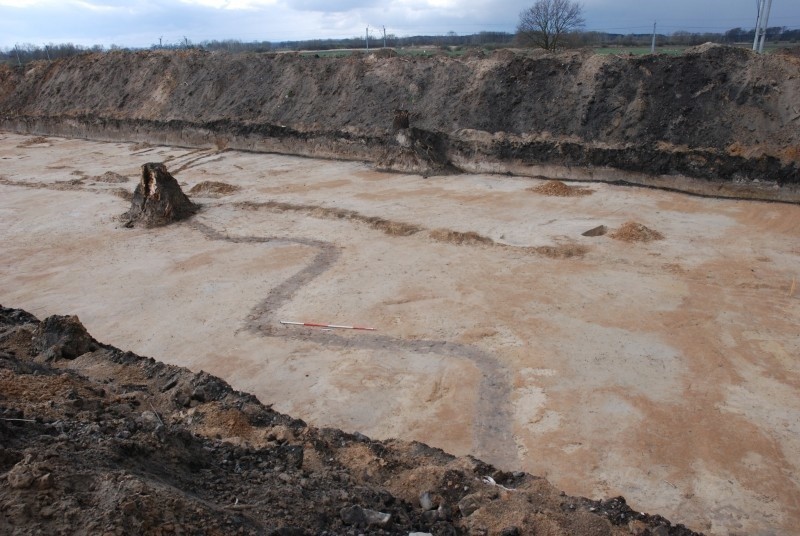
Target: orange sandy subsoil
{"type": "Point", "coordinates": [664, 371]}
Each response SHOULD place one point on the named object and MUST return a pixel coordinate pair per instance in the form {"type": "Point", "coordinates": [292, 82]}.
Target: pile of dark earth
{"type": "Point", "coordinates": [95, 440]}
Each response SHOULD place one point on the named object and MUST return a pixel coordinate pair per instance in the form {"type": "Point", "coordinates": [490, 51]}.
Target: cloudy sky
{"type": "Point", "coordinates": [141, 23]}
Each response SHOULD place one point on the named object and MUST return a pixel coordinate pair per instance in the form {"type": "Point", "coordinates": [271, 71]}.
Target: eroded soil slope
{"type": "Point", "coordinates": [713, 113]}
{"type": "Point", "coordinates": [104, 441]}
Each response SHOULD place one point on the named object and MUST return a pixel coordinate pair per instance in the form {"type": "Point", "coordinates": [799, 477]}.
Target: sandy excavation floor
{"type": "Point", "coordinates": [667, 371]}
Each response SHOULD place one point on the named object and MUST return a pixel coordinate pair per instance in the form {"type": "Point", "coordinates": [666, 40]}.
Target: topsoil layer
{"type": "Point", "coordinates": [716, 113]}
{"type": "Point", "coordinates": [104, 441]}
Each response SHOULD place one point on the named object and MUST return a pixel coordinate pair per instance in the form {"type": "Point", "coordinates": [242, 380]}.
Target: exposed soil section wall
{"type": "Point", "coordinates": [714, 113]}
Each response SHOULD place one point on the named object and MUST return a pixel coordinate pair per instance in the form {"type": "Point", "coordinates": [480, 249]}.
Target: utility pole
{"type": "Point", "coordinates": [762, 23]}
{"type": "Point", "coordinates": [384, 37]}
{"type": "Point", "coordinates": [765, 26]}
{"type": "Point", "coordinates": [758, 24]}
{"type": "Point", "coordinates": [48, 53]}
{"type": "Point", "coordinates": [159, 42]}
{"type": "Point", "coordinates": [653, 44]}
{"type": "Point", "coordinates": [367, 38]}
{"type": "Point", "coordinates": [16, 49]}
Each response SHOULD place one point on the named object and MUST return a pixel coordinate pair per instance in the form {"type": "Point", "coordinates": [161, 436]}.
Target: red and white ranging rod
{"type": "Point", "coordinates": [331, 326]}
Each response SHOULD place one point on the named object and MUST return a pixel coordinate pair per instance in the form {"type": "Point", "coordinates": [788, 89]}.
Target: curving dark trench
{"type": "Point", "coordinates": [493, 439]}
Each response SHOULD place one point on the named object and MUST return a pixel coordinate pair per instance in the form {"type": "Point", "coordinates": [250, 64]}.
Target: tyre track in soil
{"type": "Point", "coordinates": [492, 436]}
{"type": "Point", "coordinates": [492, 439]}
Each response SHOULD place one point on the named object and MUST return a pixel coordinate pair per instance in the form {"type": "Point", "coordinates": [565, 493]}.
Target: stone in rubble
{"type": "Point", "coordinates": [62, 337]}
{"type": "Point", "coordinates": [356, 515]}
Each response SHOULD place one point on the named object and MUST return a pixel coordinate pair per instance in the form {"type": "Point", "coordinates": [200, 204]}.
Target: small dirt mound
{"type": "Point", "coordinates": [559, 189]}
{"type": "Point", "coordinates": [456, 237]}
{"type": "Point", "coordinates": [213, 189]}
{"type": "Point", "coordinates": [158, 199]}
{"type": "Point", "coordinates": [111, 178]}
{"type": "Point", "coordinates": [632, 231]}
{"type": "Point", "coordinates": [702, 49]}
{"type": "Point", "coordinates": [142, 145]}
{"type": "Point", "coordinates": [38, 140]}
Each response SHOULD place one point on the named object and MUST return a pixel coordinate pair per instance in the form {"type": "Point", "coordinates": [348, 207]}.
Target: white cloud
{"type": "Point", "coordinates": [22, 4]}
{"type": "Point", "coordinates": [231, 4]}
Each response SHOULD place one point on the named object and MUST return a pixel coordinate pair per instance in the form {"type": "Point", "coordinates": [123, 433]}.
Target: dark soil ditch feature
{"type": "Point", "coordinates": [111, 177]}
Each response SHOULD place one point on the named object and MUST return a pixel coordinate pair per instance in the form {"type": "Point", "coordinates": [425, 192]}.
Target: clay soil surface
{"type": "Point", "coordinates": [665, 371]}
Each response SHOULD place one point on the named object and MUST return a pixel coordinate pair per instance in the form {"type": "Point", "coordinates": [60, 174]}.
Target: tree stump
{"type": "Point", "coordinates": [158, 199]}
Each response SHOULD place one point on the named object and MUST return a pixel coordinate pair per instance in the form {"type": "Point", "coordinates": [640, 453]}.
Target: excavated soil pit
{"type": "Point", "coordinates": [665, 372]}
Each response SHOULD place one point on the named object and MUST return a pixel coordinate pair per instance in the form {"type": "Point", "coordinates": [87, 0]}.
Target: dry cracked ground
{"type": "Point", "coordinates": [666, 371]}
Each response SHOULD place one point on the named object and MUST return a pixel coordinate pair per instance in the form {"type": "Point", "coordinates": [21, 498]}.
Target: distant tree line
{"type": "Point", "coordinates": [731, 37]}
{"type": "Point", "coordinates": [28, 52]}
{"type": "Point", "coordinates": [451, 39]}
{"type": "Point", "coordinates": [776, 33]}
{"type": "Point", "coordinates": [25, 53]}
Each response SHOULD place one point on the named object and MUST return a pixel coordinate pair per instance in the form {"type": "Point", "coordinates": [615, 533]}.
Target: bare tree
{"type": "Point", "coordinates": [544, 24]}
